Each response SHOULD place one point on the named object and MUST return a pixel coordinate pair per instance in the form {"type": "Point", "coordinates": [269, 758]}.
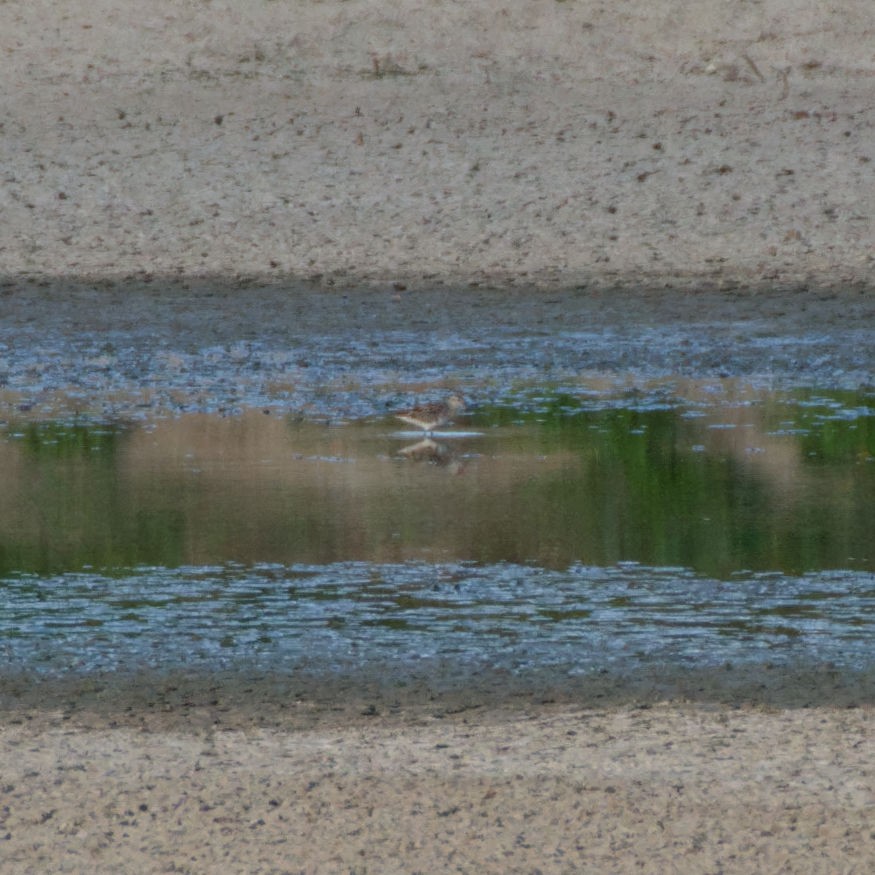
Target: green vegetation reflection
{"type": "Point", "coordinates": [720, 485]}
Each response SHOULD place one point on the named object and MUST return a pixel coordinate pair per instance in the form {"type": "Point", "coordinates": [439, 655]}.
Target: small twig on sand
{"type": "Point", "coordinates": [753, 66]}
{"type": "Point", "coordinates": [784, 74]}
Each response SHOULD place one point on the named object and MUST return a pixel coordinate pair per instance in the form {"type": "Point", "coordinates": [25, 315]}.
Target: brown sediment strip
{"type": "Point", "coordinates": [247, 698]}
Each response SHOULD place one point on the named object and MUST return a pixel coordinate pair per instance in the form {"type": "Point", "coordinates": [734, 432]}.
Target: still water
{"type": "Point", "coordinates": [571, 528]}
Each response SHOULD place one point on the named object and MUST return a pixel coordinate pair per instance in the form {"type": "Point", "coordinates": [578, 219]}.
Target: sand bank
{"type": "Point", "coordinates": [669, 788]}
{"type": "Point", "coordinates": [548, 143]}
{"type": "Point", "coordinates": [728, 770]}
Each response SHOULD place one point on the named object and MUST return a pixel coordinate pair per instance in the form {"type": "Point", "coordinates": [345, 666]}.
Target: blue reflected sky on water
{"type": "Point", "coordinates": [515, 617]}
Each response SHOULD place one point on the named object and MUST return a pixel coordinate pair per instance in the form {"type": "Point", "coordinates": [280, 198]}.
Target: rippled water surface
{"type": "Point", "coordinates": [572, 527]}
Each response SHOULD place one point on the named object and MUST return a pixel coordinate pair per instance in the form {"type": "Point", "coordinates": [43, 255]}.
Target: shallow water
{"type": "Point", "coordinates": [568, 526]}
{"type": "Point", "coordinates": [512, 617]}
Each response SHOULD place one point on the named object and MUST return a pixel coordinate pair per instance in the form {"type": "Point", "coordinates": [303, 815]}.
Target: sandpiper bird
{"type": "Point", "coordinates": [428, 417]}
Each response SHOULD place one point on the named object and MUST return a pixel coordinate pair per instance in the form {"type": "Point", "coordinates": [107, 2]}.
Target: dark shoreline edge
{"type": "Point", "coordinates": [241, 698]}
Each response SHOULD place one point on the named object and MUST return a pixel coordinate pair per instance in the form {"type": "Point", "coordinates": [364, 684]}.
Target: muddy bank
{"type": "Point", "coordinates": [136, 349]}
{"type": "Point", "coordinates": [241, 698]}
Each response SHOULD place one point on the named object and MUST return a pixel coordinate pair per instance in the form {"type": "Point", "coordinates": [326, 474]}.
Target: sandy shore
{"type": "Point", "coordinates": [722, 771]}
{"type": "Point", "coordinates": [413, 146]}
{"type": "Point", "coordinates": [667, 788]}
{"type": "Point", "coordinates": [542, 144]}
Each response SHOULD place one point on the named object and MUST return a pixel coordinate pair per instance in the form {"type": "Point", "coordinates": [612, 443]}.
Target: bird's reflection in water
{"type": "Point", "coordinates": [432, 452]}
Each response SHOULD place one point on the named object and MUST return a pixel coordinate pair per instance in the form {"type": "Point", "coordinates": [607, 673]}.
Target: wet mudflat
{"type": "Point", "coordinates": [137, 348]}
